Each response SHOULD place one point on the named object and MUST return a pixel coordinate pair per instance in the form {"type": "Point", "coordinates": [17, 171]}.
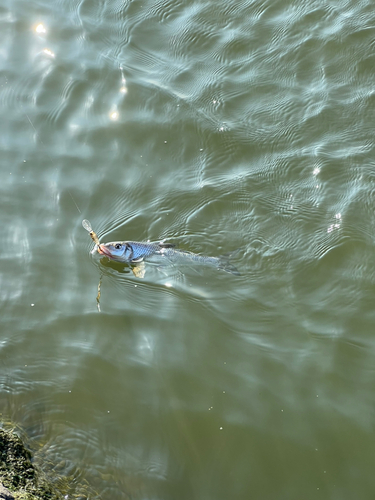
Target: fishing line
{"type": "Point", "coordinates": [86, 224]}
{"type": "Point", "coordinates": [38, 136]}
{"type": "Point", "coordinates": [74, 202]}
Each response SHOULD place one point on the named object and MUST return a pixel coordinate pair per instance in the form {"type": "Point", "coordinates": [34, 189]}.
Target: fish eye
{"type": "Point", "coordinates": [118, 246]}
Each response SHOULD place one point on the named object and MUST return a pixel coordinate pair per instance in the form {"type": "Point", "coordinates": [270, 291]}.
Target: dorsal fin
{"type": "Point", "coordinates": [166, 245]}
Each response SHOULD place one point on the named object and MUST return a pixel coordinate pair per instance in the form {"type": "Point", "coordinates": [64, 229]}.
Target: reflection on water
{"type": "Point", "coordinates": [216, 126]}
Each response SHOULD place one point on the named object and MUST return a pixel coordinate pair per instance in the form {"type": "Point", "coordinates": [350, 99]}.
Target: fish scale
{"type": "Point", "coordinates": [141, 250]}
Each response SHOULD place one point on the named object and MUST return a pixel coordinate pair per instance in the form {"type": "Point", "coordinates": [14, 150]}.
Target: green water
{"type": "Point", "coordinates": [215, 125]}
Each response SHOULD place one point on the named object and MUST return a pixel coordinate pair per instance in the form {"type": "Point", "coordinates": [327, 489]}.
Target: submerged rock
{"type": "Point", "coordinates": [19, 478]}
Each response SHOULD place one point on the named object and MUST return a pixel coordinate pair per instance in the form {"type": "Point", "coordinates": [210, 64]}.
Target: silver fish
{"type": "Point", "coordinates": [134, 252]}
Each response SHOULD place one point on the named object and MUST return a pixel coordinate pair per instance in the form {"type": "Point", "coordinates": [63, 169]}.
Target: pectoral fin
{"type": "Point", "coordinates": [139, 270]}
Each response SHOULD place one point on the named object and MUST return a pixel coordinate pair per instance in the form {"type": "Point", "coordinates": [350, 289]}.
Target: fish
{"type": "Point", "coordinates": [136, 253]}
{"type": "Point", "coordinates": [161, 253]}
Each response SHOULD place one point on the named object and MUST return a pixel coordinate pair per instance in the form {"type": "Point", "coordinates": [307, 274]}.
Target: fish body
{"type": "Point", "coordinates": [134, 252]}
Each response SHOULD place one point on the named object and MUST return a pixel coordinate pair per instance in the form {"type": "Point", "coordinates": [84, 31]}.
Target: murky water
{"type": "Point", "coordinates": [215, 126]}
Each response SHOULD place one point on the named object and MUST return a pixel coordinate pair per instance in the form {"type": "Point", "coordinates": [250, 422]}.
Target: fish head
{"type": "Point", "coordinates": [116, 250]}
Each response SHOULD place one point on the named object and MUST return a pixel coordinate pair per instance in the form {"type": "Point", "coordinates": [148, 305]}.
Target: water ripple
{"type": "Point", "coordinates": [219, 127]}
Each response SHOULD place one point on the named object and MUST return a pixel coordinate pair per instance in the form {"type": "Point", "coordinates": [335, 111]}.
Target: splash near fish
{"type": "Point", "coordinates": [136, 253]}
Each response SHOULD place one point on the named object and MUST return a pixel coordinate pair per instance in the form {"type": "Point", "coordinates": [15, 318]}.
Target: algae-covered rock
{"type": "Point", "coordinates": [17, 473]}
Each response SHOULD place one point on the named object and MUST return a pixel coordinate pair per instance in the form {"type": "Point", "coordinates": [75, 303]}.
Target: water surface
{"type": "Point", "coordinates": [216, 126]}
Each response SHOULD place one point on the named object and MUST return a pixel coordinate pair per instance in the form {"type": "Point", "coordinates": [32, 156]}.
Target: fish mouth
{"type": "Point", "coordinates": [104, 251]}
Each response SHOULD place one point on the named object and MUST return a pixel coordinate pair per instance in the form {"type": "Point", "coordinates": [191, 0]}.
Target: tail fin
{"type": "Point", "coordinates": [226, 265]}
